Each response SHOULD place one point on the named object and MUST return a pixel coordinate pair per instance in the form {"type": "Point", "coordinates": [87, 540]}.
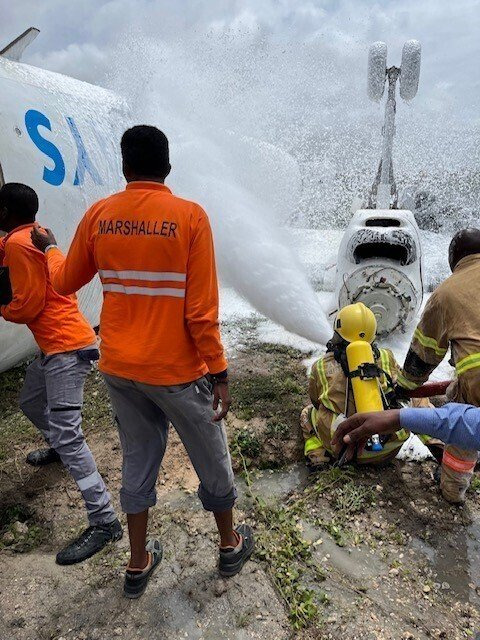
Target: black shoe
{"type": "Point", "coordinates": [90, 542]}
{"type": "Point", "coordinates": [42, 457]}
{"type": "Point", "coordinates": [317, 467]}
{"type": "Point", "coordinates": [231, 562]}
{"type": "Point", "coordinates": [135, 581]}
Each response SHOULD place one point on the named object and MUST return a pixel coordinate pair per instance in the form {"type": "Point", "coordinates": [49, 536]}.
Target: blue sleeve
{"type": "Point", "coordinates": [454, 423]}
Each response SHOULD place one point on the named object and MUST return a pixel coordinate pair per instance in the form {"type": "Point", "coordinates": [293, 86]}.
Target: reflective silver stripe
{"type": "Point", "coordinates": [152, 276]}
{"type": "Point", "coordinates": [89, 481]}
{"type": "Point", "coordinates": [145, 291]}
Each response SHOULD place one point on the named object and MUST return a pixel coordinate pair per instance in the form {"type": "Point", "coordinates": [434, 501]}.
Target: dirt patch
{"type": "Point", "coordinates": [363, 554]}
{"type": "Point", "coordinates": [269, 390]}
{"type": "Point", "coordinates": [358, 554]}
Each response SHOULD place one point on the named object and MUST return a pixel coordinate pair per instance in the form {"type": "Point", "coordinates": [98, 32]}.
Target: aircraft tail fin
{"type": "Point", "coordinates": [15, 49]}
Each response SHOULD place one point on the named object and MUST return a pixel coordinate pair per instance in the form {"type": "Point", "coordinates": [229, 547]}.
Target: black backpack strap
{"type": "Point", "coordinates": [338, 347]}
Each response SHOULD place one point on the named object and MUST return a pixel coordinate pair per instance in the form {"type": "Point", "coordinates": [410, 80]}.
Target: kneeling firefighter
{"type": "Point", "coordinates": [354, 376]}
{"type": "Point", "coordinates": [451, 320]}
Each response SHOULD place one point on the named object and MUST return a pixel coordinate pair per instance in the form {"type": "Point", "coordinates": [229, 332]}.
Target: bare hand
{"type": "Point", "coordinates": [41, 239]}
{"type": "Point", "coordinates": [356, 430]}
{"type": "Point", "coordinates": [221, 396]}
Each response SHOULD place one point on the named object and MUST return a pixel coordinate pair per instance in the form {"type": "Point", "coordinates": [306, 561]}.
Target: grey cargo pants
{"type": "Point", "coordinates": [142, 413]}
{"type": "Point", "coordinates": [52, 398]}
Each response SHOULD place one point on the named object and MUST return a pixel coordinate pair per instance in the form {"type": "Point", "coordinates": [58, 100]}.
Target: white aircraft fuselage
{"type": "Point", "coordinates": [61, 137]}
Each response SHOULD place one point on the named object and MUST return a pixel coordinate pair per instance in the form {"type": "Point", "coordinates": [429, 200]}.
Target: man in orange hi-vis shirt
{"type": "Point", "coordinates": [52, 395]}
{"type": "Point", "coordinates": [161, 352]}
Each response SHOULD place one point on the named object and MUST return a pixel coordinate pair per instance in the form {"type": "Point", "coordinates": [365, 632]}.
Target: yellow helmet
{"type": "Point", "coordinates": [356, 322]}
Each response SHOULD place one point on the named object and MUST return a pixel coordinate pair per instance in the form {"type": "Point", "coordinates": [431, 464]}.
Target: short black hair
{"type": "Point", "coordinates": [20, 200]}
{"type": "Point", "coordinates": [145, 151]}
{"type": "Point", "coordinates": [465, 242]}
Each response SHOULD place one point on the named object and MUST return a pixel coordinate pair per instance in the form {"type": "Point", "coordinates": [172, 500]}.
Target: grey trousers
{"type": "Point", "coordinates": [142, 413]}
{"type": "Point", "coordinates": [52, 398]}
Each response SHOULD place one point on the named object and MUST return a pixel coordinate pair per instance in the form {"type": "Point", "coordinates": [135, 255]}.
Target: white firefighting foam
{"type": "Point", "coordinates": [245, 184]}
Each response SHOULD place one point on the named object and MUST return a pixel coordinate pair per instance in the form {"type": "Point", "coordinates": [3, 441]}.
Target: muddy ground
{"type": "Point", "coordinates": [357, 554]}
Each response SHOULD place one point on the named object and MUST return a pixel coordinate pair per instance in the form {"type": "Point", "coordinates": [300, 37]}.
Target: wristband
{"type": "Point", "coordinates": [219, 378]}
{"type": "Point", "coordinates": [50, 246]}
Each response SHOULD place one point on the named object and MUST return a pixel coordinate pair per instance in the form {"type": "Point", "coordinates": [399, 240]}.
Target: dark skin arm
{"type": "Point", "coordinates": [221, 397]}
{"type": "Point", "coordinates": [41, 239]}
{"type": "Point", "coordinates": [355, 431]}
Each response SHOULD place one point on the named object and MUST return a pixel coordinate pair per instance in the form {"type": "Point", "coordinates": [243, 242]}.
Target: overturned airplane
{"type": "Point", "coordinates": [58, 135]}
{"type": "Point", "coordinates": [380, 258]}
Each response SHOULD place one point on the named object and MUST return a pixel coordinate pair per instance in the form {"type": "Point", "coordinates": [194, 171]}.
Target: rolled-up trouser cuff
{"type": "Point", "coordinates": [136, 503]}
{"type": "Point", "coordinates": [102, 519]}
{"type": "Point", "coordinates": [215, 503]}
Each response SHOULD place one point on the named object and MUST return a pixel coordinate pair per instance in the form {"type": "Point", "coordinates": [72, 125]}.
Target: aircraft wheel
{"type": "Point", "coordinates": [410, 69]}
{"type": "Point", "coordinates": [377, 68]}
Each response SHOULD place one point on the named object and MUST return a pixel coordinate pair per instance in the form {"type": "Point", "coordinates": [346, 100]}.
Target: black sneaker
{"type": "Point", "coordinates": [136, 581]}
{"type": "Point", "coordinates": [90, 542]}
{"type": "Point", "coordinates": [231, 562]}
{"type": "Point", "coordinates": [42, 457]}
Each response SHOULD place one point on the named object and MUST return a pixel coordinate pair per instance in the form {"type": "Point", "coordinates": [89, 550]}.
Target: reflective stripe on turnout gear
{"type": "Point", "coordinates": [469, 362]}
{"type": "Point", "coordinates": [385, 362]}
{"type": "Point", "coordinates": [462, 466]}
{"type": "Point", "coordinates": [402, 435]}
{"type": "Point", "coordinates": [429, 343]}
{"type": "Point", "coordinates": [311, 444]}
{"type": "Point", "coordinates": [324, 399]}
{"type": "Point", "coordinates": [423, 437]}
{"type": "Point", "coordinates": [405, 383]}
{"type": "Point", "coordinates": [313, 419]}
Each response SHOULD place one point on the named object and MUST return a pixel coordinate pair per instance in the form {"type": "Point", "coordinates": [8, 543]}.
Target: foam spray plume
{"type": "Point", "coordinates": [246, 185]}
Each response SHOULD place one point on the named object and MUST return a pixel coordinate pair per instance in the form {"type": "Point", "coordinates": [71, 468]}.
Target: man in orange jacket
{"type": "Point", "coordinates": [161, 352]}
{"type": "Point", "coordinates": [52, 395]}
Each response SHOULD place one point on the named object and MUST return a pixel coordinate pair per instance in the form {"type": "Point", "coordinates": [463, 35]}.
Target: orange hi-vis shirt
{"type": "Point", "coordinates": [55, 320]}
{"type": "Point", "coordinates": [154, 254]}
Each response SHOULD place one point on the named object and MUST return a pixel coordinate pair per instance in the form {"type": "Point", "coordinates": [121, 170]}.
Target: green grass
{"type": "Point", "coordinates": [475, 484]}
{"type": "Point", "coordinates": [352, 498]}
{"type": "Point", "coordinates": [246, 443]}
{"type": "Point", "coordinates": [10, 384]}
{"type": "Point", "coordinates": [15, 429]}
{"type": "Point", "coordinates": [286, 554]}
{"type": "Point", "coordinates": [273, 394]}
{"type": "Point", "coordinates": [265, 395]}
{"type": "Point", "coordinates": [276, 429]}
{"type": "Point", "coordinates": [21, 542]}
{"type": "Point", "coordinates": [279, 392]}
{"type": "Point", "coordinates": [346, 495]}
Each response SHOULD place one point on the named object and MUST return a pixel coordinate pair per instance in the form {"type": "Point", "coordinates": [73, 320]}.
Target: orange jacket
{"type": "Point", "coordinates": [154, 254]}
{"type": "Point", "coordinates": [55, 320]}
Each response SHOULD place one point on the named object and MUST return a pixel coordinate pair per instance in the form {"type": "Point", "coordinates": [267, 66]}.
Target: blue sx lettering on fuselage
{"type": "Point", "coordinates": [33, 121]}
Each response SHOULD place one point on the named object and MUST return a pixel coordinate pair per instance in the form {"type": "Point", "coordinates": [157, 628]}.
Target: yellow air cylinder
{"type": "Point", "coordinates": [365, 392]}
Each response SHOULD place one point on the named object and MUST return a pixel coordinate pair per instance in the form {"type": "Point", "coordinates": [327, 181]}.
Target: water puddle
{"type": "Point", "coordinates": [357, 563]}
{"type": "Point", "coordinates": [275, 484]}
{"type": "Point", "coordinates": [456, 560]}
